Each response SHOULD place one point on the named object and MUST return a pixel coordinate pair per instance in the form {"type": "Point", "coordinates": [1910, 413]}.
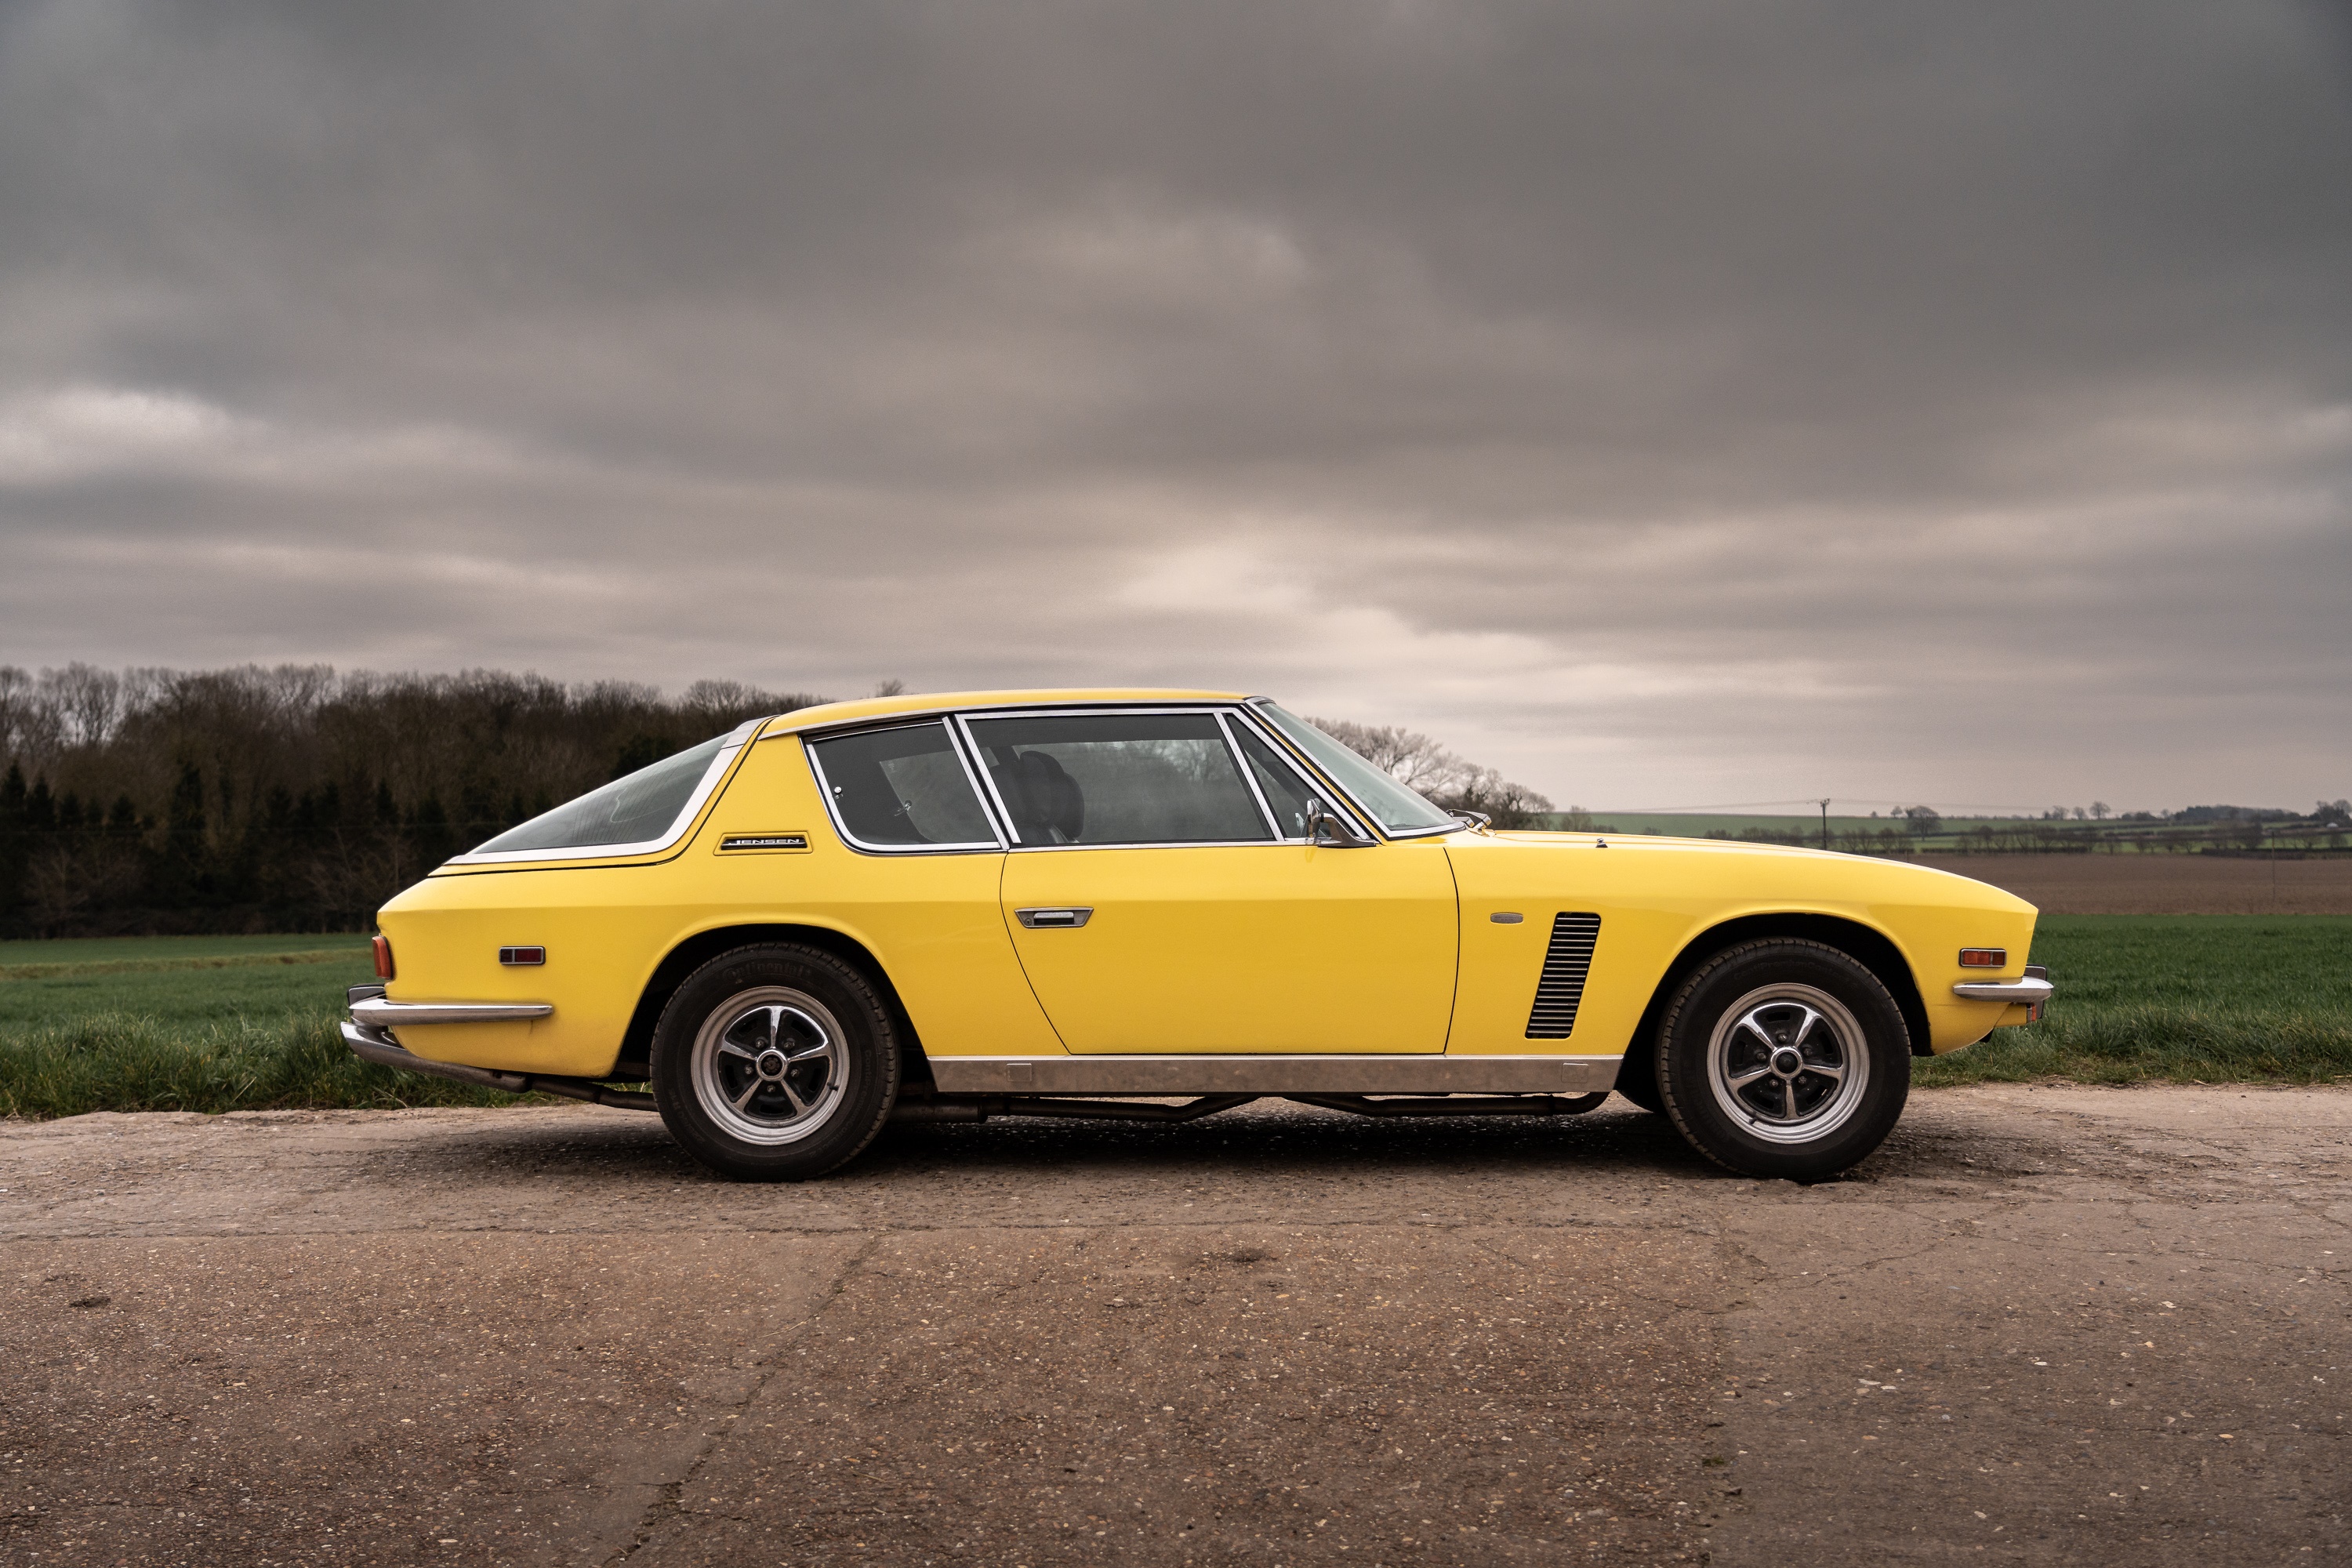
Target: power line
{"type": "Point", "coordinates": [1812, 802]}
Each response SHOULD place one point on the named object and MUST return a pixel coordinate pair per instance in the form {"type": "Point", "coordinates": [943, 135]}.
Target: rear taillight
{"type": "Point", "coordinates": [1970, 957]}
{"type": "Point", "coordinates": [383, 959]}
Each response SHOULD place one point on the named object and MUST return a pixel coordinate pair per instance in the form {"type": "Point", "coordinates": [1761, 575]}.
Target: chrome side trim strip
{"type": "Point", "coordinates": [1274, 1074]}
{"type": "Point", "coordinates": [381, 1013]}
{"type": "Point", "coordinates": [2026, 990]}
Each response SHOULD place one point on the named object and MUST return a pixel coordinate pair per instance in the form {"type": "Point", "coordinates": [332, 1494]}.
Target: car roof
{"type": "Point", "coordinates": [831, 714]}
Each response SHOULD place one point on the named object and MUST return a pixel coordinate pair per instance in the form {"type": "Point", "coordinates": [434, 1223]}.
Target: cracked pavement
{"type": "Point", "coordinates": [2042, 1325]}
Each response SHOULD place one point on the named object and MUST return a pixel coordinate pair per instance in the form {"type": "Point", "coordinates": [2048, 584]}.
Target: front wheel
{"type": "Point", "coordinates": [775, 1063]}
{"type": "Point", "coordinates": [1784, 1059]}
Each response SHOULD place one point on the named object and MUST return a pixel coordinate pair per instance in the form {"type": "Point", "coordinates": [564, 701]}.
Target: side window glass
{"type": "Point", "coordinates": [1286, 792]}
{"type": "Point", "coordinates": [1119, 778]}
{"type": "Point", "coordinates": [902, 787]}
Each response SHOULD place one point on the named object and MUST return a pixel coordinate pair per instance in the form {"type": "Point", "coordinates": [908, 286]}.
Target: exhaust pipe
{"type": "Point", "coordinates": [375, 1045]}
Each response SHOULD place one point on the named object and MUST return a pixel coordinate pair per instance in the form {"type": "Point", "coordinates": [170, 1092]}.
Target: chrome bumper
{"type": "Point", "coordinates": [2033, 989]}
{"type": "Point", "coordinates": [370, 1042]}
{"type": "Point", "coordinates": [383, 1013]}
{"type": "Point", "coordinates": [2027, 991]}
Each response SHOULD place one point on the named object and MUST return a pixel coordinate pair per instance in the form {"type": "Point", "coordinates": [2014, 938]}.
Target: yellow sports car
{"type": "Point", "coordinates": [1088, 903]}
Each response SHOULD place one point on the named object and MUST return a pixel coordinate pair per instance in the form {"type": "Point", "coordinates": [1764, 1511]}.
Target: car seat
{"type": "Point", "coordinates": [1053, 809]}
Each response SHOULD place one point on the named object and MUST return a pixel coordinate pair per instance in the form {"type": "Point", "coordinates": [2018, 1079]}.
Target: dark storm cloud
{"type": "Point", "coordinates": [1670, 403]}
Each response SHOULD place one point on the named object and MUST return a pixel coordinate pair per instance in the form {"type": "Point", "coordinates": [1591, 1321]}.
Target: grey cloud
{"type": "Point", "coordinates": [1663, 401]}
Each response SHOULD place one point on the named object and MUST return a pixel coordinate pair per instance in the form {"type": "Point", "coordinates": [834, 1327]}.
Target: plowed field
{"type": "Point", "coordinates": [2163, 884]}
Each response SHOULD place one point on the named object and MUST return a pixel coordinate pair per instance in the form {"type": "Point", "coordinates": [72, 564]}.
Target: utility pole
{"type": "Point", "coordinates": [1825, 823]}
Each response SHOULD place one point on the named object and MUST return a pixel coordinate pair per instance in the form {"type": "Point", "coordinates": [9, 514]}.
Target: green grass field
{"type": "Point", "coordinates": [204, 1024]}
{"type": "Point", "coordinates": [2178, 999]}
{"type": "Point", "coordinates": [215, 1024]}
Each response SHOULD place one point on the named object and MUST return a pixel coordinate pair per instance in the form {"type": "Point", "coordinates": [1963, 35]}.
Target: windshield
{"type": "Point", "coordinates": [1396, 807]}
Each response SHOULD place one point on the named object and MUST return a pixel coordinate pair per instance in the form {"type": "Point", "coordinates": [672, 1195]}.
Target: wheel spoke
{"type": "Point", "coordinates": [1742, 1080]}
{"type": "Point", "coordinates": [1788, 1097]}
{"type": "Point", "coordinates": [772, 1068]}
{"type": "Point", "coordinates": [1805, 1028]}
{"type": "Point", "coordinates": [1823, 1070]}
{"type": "Point", "coordinates": [1757, 1029]}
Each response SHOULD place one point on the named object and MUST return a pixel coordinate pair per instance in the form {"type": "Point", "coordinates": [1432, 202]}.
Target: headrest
{"type": "Point", "coordinates": [1055, 801]}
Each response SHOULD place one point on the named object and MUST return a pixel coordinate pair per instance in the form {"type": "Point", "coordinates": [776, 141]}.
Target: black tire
{"type": "Point", "coordinates": [775, 1063]}
{"type": "Point", "coordinates": [1784, 1059]}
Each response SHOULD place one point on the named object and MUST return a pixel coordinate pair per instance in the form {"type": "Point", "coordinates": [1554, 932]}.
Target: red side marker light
{"type": "Point", "coordinates": [383, 959]}
{"type": "Point", "coordinates": [522, 957]}
{"type": "Point", "coordinates": [1984, 958]}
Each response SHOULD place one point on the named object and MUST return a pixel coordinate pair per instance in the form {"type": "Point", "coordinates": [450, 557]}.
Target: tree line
{"type": "Point", "coordinates": [298, 798]}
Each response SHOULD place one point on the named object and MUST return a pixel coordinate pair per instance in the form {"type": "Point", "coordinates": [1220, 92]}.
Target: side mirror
{"type": "Point", "coordinates": [1330, 831]}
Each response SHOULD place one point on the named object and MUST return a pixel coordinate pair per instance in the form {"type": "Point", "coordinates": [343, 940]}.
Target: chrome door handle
{"type": "Point", "coordinates": [1061, 918]}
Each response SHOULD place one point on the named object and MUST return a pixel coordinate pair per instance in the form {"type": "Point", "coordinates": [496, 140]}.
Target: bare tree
{"type": "Point", "coordinates": [1422, 764]}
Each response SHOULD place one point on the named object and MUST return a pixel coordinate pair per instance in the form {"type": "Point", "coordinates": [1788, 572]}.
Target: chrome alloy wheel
{"type": "Point", "coordinates": [769, 1066]}
{"type": "Point", "coordinates": [1788, 1063]}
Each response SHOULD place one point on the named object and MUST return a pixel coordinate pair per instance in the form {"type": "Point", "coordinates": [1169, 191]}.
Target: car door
{"type": "Point", "coordinates": [1157, 908]}
{"type": "Point", "coordinates": [918, 885]}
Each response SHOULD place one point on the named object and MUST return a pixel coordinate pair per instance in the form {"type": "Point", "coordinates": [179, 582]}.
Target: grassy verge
{"type": "Point", "coordinates": [2178, 999]}
{"type": "Point", "coordinates": [112, 1061]}
{"type": "Point", "coordinates": [207, 1024]}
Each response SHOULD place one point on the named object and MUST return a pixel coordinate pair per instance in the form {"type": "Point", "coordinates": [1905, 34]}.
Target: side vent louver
{"type": "Point", "coordinates": [1566, 963]}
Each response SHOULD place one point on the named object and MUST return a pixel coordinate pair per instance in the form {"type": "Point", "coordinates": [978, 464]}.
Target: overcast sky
{"type": "Point", "coordinates": [1671, 405]}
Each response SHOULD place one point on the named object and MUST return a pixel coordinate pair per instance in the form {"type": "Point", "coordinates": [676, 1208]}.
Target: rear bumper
{"type": "Point", "coordinates": [383, 1013]}
{"type": "Point", "coordinates": [372, 1041]}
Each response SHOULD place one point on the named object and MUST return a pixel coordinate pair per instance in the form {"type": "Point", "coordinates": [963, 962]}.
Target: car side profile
{"type": "Point", "coordinates": [1091, 903]}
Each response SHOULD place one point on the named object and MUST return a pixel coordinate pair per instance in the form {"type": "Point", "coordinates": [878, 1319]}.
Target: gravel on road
{"type": "Point", "coordinates": [2042, 1325]}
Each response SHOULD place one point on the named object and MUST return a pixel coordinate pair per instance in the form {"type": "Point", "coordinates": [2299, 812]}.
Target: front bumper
{"type": "Point", "coordinates": [2033, 989]}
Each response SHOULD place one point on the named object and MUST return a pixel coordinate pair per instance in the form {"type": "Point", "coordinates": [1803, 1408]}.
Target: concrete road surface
{"type": "Point", "coordinates": [2072, 1326]}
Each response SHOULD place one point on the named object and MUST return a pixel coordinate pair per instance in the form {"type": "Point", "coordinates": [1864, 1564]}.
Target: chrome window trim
{"type": "Point", "coordinates": [1363, 813]}
{"type": "Point", "coordinates": [998, 710]}
{"type": "Point", "coordinates": [1097, 710]}
{"type": "Point", "coordinates": [737, 739]}
{"type": "Point", "coordinates": [832, 814]}
{"type": "Point", "coordinates": [1344, 804]}
{"type": "Point", "coordinates": [1249, 777]}
{"type": "Point", "coordinates": [1009, 829]}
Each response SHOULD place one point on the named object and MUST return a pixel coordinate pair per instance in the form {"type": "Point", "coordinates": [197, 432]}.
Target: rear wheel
{"type": "Point", "coordinates": [1784, 1059]}
{"type": "Point", "coordinates": [775, 1063]}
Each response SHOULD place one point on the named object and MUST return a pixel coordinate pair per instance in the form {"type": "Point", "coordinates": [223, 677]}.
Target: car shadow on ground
{"type": "Point", "coordinates": [634, 1148]}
